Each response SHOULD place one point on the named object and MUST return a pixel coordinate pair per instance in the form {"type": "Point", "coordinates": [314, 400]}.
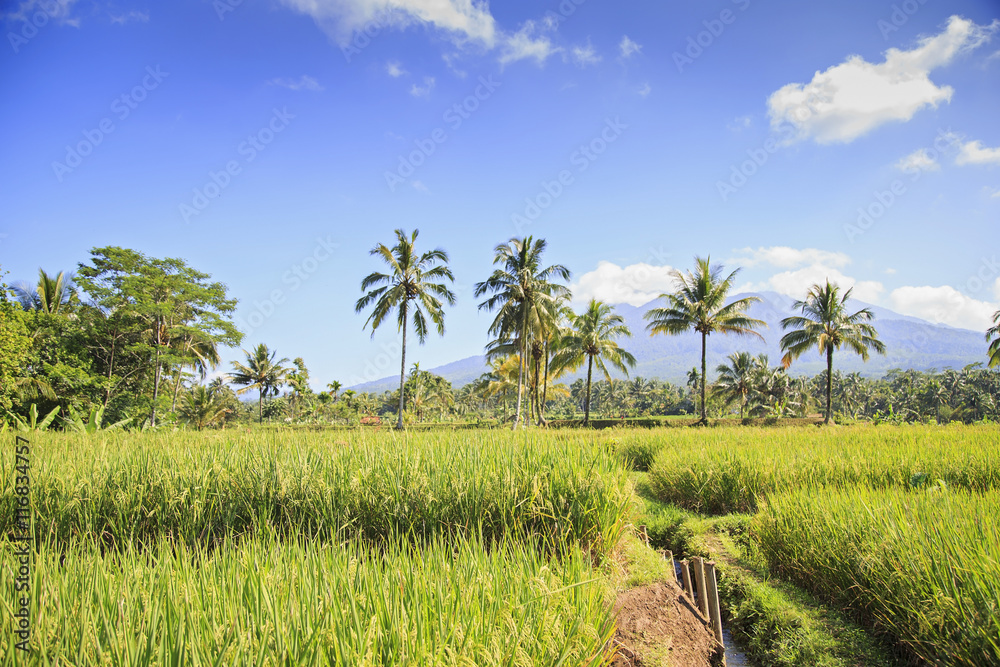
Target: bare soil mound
{"type": "Point", "coordinates": [658, 625]}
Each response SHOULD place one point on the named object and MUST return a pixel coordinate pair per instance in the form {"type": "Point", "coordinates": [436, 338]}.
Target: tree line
{"type": "Point", "coordinates": [129, 340]}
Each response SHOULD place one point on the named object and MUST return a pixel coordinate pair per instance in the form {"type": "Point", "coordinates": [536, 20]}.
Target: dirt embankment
{"type": "Point", "coordinates": [658, 625]}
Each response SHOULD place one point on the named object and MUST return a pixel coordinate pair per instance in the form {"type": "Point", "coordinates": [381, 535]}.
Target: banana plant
{"type": "Point", "coordinates": [94, 422]}
{"type": "Point", "coordinates": [33, 423]}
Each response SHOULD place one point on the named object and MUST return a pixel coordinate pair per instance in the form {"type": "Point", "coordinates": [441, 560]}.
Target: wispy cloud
{"type": "Point", "coordinates": [853, 98]}
{"type": "Point", "coordinates": [644, 90]}
{"type": "Point", "coordinates": [628, 48]}
{"type": "Point", "coordinates": [584, 55]}
{"type": "Point", "coordinates": [530, 42]}
{"type": "Point", "coordinates": [304, 82]}
{"type": "Point", "coordinates": [424, 90]}
{"type": "Point", "coordinates": [394, 69]}
{"type": "Point", "coordinates": [919, 160]}
{"type": "Point", "coordinates": [122, 19]}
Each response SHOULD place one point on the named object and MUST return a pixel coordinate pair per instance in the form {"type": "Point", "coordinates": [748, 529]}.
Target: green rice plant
{"type": "Point", "coordinates": [127, 488]}
{"type": "Point", "coordinates": [272, 601]}
{"type": "Point", "coordinates": [718, 471]}
{"type": "Point", "coordinates": [922, 565]}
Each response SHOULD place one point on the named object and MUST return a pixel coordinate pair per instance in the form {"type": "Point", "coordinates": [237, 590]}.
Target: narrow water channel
{"type": "Point", "coordinates": [734, 656]}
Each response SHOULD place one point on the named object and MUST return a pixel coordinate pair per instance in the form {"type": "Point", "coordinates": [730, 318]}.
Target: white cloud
{"type": "Point", "coordinates": [122, 19]}
{"type": "Point", "coordinates": [60, 11]}
{"type": "Point", "coordinates": [645, 89]}
{"type": "Point", "coordinates": [628, 48]}
{"type": "Point", "coordinates": [424, 90]}
{"type": "Point", "coordinates": [636, 284]}
{"type": "Point", "coordinates": [852, 98]}
{"type": "Point", "coordinates": [919, 160]}
{"type": "Point", "coordinates": [784, 257]}
{"type": "Point", "coordinates": [943, 305]}
{"type": "Point", "coordinates": [528, 42]}
{"type": "Point", "coordinates": [994, 193]}
{"type": "Point", "coordinates": [304, 82]}
{"type": "Point", "coordinates": [394, 69]}
{"type": "Point", "coordinates": [973, 152]}
{"type": "Point", "coordinates": [420, 187]}
{"type": "Point", "coordinates": [463, 20]}
{"type": "Point", "coordinates": [584, 55]}
{"type": "Point", "coordinates": [739, 123]}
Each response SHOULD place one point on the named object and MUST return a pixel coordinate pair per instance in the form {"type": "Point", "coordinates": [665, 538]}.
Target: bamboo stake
{"type": "Point", "coordinates": [699, 576]}
{"type": "Point", "coordinates": [713, 600]}
{"type": "Point", "coordinates": [686, 574]}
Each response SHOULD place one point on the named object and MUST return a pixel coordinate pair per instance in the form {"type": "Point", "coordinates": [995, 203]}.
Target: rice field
{"type": "Point", "coordinates": [725, 470]}
{"type": "Point", "coordinates": [264, 548]}
{"type": "Point", "coordinates": [922, 565]}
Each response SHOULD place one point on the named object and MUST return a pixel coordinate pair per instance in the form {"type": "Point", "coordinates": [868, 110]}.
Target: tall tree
{"type": "Point", "coordinates": [169, 298]}
{"type": "Point", "coordinates": [593, 338]}
{"type": "Point", "coordinates": [699, 303]}
{"type": "Point", "coordinates": [413, 284]}
{"type": "Point", "coordinates": [260, 372]}
{"type": "Point", "coordinates": [994, 333]}
{"type": "Point", "coordinates": [523, 295]}
{"type": "Point", "coordinates": [826, 325]}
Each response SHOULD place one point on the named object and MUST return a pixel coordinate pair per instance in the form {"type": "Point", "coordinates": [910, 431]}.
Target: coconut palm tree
{"type": "Point", "coordinates": [825, 324]}
{"type": "Point", "coordinates": [524, 296]}
{"type": "Point", "coordinates": [52, 295]}
{"type": "Point", "coordinates": [334, 388]}
{"type": "Point", "coordinates": [410, 286]}
{"type": "Point", "coordinates": [699, 303]}
{"type": "Point", "coordinates": [199, 352]}
{"type": "Point", "coordinates": [591, 339]}
{"type": "Point", "coordinates": [201, 407]}
{"type": "Point", "coordinates": [260, 372]}
{"type": "Point", "coordinates": [736, 380]}
{"type": "Point", "coordinates": [994, 333]}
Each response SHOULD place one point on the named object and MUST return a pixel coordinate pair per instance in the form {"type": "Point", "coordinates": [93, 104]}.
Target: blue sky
{"type": "Point", "coordinates": [272, 143]}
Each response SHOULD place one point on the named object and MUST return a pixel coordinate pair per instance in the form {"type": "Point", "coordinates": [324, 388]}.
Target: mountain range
{"type": "Point", "coordinates": [910, 341]}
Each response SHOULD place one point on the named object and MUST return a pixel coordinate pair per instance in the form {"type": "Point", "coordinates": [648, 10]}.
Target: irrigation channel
{"type": "Point", "coordinates": [734, 656]}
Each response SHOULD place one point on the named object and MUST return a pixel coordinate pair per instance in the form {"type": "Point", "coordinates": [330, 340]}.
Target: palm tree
{"type": "Point", "coordinates": [202, 407]}
{"type": "Point", "coordinates": [699, 304]}
{"type": "Point", "coordinates": [593, 338]}
{"type": "Point", "coordinates": [50, 295]}
{"type": "Point", "coordinates": [199, 352]}
{"type": "Point", "coordinates": [736, 380]}
{"type": "Point", "coordinates": [524, 299]}
{"type": "Point", "coordinates": [824, 323]}
{"type": "Point", "coordinates": [409, 286]}
{"type": "Point", "coordinates": [334, 388]}
{"type": "Point", "coordinates": [261, 372]}
{"type": "Point", "coordinates": [994, 333]}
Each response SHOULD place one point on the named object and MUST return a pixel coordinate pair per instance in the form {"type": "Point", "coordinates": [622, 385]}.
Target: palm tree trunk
{"type": "Point", "coordinates": [260, 405]}
{"type": "Point", "coordinates": [177, 388]}
{"type": "Point", "coordinates": [402, 372]}
{"type": "Point", "coordinates": [704, 417]}
{"type": "Point", "coordinates": [545, 388]}
{"type": "Point", "coordinates": [520, 365]}
{"type": "Point", "coordinates": [829, 382]}
{"type": "Point", "coordinates": [538, 412]}
{"type": "Point", "coordinates": [586, 405]}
